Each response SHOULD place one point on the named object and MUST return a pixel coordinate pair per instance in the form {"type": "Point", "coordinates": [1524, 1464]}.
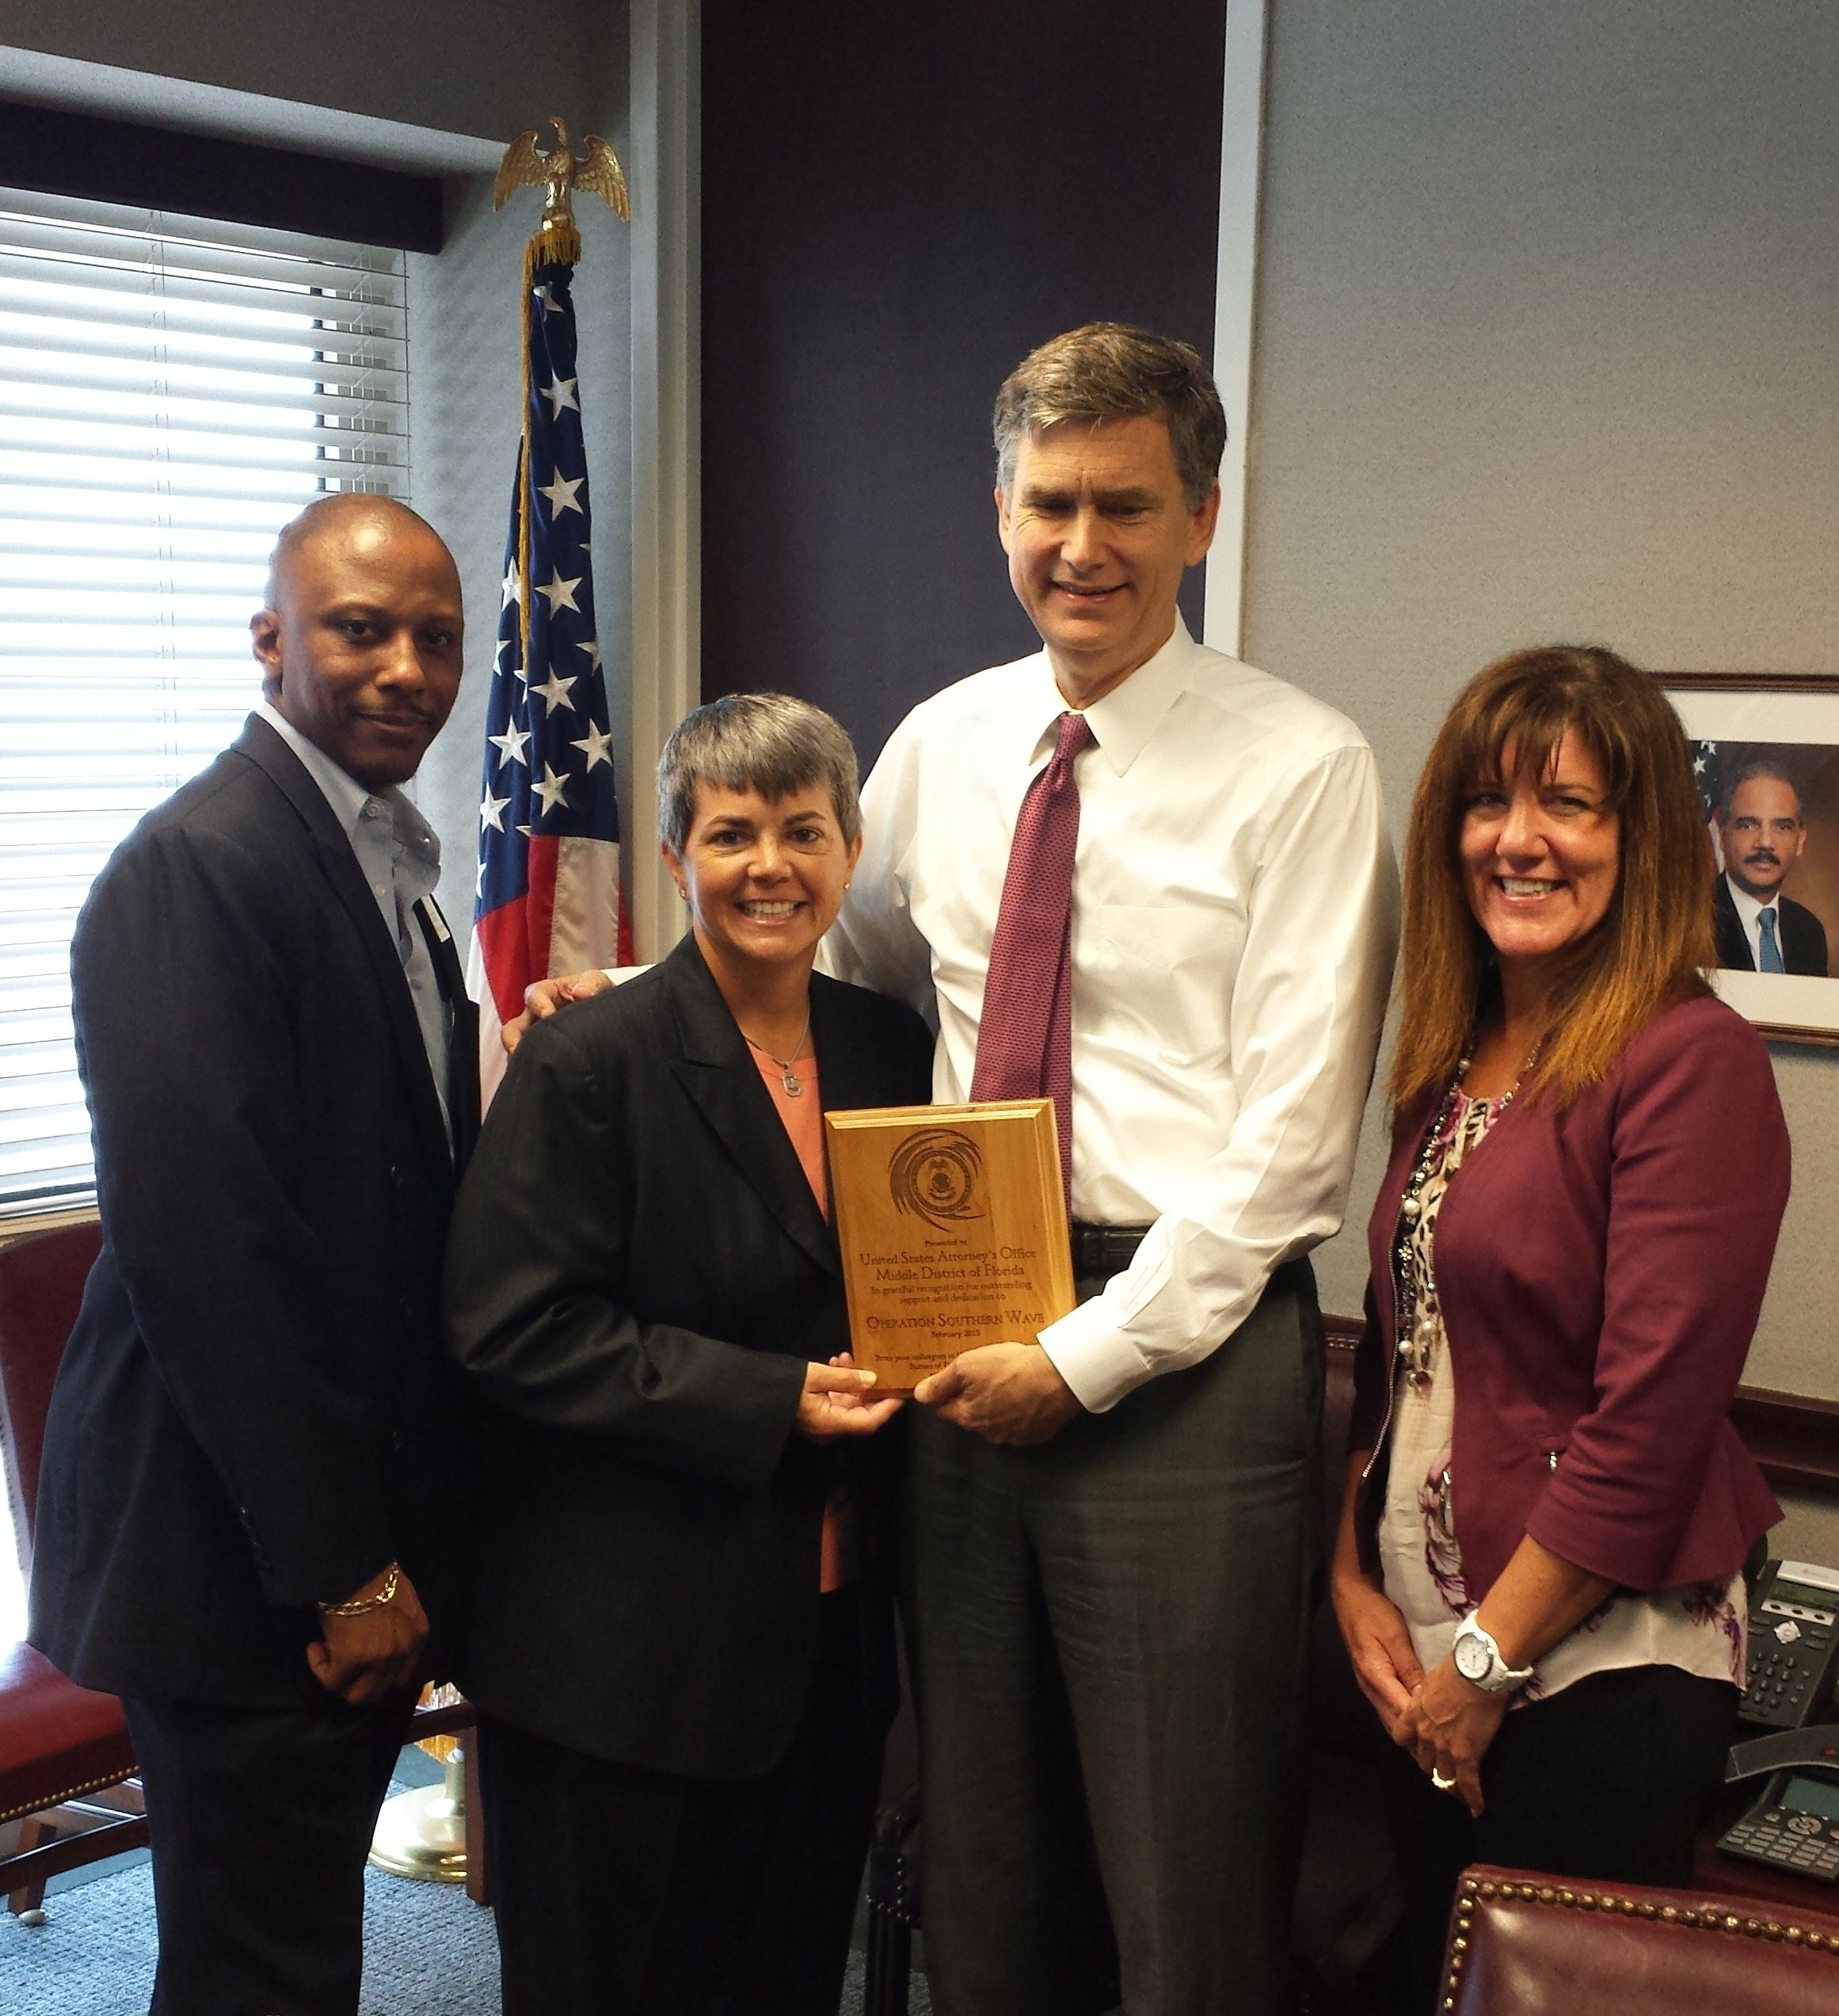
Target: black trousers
{"type": "Point", "coordinates": [624, 1892]}
{"type": "Point", "coordinates": [1606, 1781]}
{"type": "Point", "coordinates": [261, 1819]}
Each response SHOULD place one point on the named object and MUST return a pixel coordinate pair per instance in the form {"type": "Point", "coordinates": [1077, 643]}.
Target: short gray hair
{"type": "Point", "coordinates": [1109, 371]}
{"type": "Point", "coordinates": [770, 743]}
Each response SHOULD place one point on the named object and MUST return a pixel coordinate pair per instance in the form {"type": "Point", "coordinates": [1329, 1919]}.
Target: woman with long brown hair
{"type": "Point", "coordinates": [1538, 1574]}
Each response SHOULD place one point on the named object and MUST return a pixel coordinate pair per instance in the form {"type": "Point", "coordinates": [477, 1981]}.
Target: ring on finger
{"type": "Point", "coordinates": [1440, 1781]}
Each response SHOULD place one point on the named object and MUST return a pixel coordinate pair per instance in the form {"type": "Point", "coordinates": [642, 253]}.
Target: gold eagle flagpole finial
{"type": "Point", "coordinates": [560, 176]}
{"type": "Point", "coordinates": [556, 242]}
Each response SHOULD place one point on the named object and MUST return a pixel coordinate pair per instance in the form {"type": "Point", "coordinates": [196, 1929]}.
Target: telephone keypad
{"type": "Point", "coordinates": [1801, 1842]}
{"type": "Point", "coordinates": [1780, 1673]}
{"type": "Point", "coordinates": [1765, 1839]}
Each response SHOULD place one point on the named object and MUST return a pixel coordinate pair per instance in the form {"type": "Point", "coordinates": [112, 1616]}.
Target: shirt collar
{"type": "Point", "coordinates": [348, 797]}
{"type": "Point", "coordinates": [1123, 720]}
{"type": "Point", "coordinates": [1748, 908]}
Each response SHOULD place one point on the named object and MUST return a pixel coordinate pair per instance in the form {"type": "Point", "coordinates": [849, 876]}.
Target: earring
{"type": "Point", "coordinates": [683, 893]}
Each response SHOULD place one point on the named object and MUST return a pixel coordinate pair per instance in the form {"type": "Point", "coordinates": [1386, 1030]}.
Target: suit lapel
{"type": "Point", "coordinates": [714, 1065]}
{"type": "Point", "coordinates": [463, 1060]}
{"type": "Point", "coordinates": [259, 743]}
{"type": "Point", "coordinates": [852, 1073]}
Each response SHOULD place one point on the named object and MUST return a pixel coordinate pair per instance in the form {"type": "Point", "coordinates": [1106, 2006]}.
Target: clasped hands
{"type": "Point", "coordinates": [1004, 1393]}
{"type": "Point", "coordinates": [1446, 1722]}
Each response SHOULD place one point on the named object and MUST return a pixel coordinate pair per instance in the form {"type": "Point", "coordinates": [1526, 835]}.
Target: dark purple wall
{"type": "Point", "coordinates": [898, 203]}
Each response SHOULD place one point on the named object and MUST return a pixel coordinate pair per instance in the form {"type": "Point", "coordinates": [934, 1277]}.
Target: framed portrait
{"type": "Point", "coordinates": [1765, 750]}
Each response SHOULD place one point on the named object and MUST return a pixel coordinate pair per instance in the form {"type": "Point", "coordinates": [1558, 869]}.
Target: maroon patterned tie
{"type": "Point", "coordinates": [1025, 1037]}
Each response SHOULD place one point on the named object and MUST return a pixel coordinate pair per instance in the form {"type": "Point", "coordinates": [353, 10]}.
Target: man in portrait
{"type": "Point", "coordinates": [251, 1503]}
{"type": "Point", "coordinates": [1763, 831]}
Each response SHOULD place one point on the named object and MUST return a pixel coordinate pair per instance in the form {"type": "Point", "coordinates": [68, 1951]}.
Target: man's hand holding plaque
{"type": "Point", "coordinates": [1007, 1393]}
{"type": "Point", "coordinates": [952, 1222]}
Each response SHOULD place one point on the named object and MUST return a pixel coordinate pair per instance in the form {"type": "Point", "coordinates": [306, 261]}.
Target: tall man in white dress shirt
{"type": "Point", "coordinates": [1112, 1546]}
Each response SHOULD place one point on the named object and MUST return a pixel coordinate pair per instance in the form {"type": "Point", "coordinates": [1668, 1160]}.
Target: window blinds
{"type": "Point", "coordinates": [171, 392]}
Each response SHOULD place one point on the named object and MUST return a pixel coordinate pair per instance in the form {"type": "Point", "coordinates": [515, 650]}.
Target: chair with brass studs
{"type": "Point", "coordinates": [1524, 1945]}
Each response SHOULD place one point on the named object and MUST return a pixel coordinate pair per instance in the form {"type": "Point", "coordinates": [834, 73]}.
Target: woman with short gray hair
{"type": "Point", "coordinates": [682, 1633]}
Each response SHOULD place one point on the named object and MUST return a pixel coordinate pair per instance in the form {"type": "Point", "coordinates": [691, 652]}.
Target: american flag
{"type": "Point", "coordinates": [547, 897]}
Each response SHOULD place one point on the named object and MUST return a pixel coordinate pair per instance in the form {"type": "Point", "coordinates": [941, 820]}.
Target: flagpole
{"type": "Point", "coordinates": [550, 897]}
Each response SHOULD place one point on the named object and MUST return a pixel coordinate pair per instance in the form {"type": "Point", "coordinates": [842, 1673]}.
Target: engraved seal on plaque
{"type": "Point", "coordinates": [937, 1174]}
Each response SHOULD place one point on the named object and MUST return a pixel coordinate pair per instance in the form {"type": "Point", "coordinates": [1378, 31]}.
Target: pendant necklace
{"type": "Point", "coordinates": [790, 1080]}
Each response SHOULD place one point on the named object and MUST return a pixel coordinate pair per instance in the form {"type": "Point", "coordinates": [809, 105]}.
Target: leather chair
{"type": "Point", "coordinates": [1521, 1944]}
{"type": "Point", "coordinates": [63, 1748]}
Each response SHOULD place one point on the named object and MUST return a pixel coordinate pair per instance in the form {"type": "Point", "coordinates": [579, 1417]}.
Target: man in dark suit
{"type": "Point", "coordinates": [1763, 830]}
{"type": "Point", "coordinates": [248, 1514]}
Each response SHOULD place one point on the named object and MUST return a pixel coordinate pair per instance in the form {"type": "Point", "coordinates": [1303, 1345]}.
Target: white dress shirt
{"type": "Point", "coordinates": [1750, 915]}
{"type": "Point", "coordinates": [399, 854]}
{"type": "Point", "coordinates": [1234, 922]}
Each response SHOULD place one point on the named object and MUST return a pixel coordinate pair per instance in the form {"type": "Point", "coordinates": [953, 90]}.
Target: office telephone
{"type": "Point", "coordinates": [1794, 1824]}
{"type": "Point", "coordinates": [1793, 1660]}
{"type": "Point", "coordinates": [1793, 1645]}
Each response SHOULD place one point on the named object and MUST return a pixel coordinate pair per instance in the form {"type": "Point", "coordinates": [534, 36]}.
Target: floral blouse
{"type": "Point", "coordinates": [1700, 1629]}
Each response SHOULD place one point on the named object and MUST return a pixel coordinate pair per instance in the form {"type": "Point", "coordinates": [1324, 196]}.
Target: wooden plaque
{"type": "Point", "coordinates": [952, 1222]}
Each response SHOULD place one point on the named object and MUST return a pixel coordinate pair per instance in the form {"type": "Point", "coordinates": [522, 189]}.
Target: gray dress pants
{"type": "Point", "coordinates": [1111, 1632]}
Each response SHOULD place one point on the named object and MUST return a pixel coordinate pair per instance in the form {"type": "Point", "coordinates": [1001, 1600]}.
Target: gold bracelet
{"type": "Point", "coordinates": [364, 1605]}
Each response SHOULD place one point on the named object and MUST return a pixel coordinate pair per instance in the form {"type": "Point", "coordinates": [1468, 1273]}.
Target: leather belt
{"type": "Point", "coordinates": [1100, 1251]}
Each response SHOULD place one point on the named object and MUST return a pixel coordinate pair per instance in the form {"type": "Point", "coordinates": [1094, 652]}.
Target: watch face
{"type": "Point", "coordinates": [1473, 1659]}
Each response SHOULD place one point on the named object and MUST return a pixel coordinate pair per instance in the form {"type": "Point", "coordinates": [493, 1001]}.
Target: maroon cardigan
{"type": "Point", "coordinates": [1599, 1270]}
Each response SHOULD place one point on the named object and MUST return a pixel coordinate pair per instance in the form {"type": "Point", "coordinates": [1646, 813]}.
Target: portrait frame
{"type": "Point", "coordinates": [1792, 718]}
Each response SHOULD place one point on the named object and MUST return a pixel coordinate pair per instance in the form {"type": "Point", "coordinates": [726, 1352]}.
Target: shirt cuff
{"type": "Point", "coordinates": [1096, 1359]}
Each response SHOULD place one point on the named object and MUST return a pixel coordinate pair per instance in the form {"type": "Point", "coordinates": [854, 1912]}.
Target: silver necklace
{"type": "Point", "coordinates": [1415, 1313]}
{"type": "Point", "coordinates": [790, 1080]}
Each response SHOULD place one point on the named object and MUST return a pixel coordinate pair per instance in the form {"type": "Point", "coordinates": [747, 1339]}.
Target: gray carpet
{"type": "Point", "coordinates": [428, 1951]}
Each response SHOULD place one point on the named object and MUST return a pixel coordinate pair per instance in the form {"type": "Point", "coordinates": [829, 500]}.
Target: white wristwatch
{"type": "Point", "coordinates": [1478, 1660]}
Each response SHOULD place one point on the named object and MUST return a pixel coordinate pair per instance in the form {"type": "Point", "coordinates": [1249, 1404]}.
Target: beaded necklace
{"type": "Point", "coordinates": [1415, 1313]}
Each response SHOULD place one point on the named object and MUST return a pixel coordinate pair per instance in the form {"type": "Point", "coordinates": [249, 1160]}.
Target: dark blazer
{"type": "Point", "coordinates": [1601, 1269]}
{"type": "Point", "coordinates": [253, 1413]}
{"type": "Point", "coordinates": [1803, 937]}
{"type": "Point", "coordinates": [639, 1275]}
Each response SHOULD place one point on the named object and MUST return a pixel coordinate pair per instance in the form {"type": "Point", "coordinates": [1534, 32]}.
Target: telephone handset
{"type": "Point", "coordinates": [1793, 1645]}
{"type": "Point", "coordinates": [1795, 1824]}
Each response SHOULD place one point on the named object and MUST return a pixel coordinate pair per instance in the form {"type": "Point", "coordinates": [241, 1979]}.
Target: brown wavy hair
{"type": "Point", "coordinates": [1656, 935]}
{"type": "Point", "coordinates": [1110, 371]}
